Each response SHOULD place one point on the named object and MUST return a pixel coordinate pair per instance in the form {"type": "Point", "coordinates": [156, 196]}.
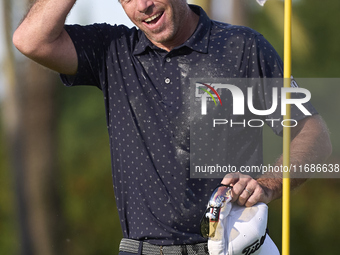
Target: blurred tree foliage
{"type": "Point", "coordinates": [92, 225]}
{"type": "Point", "coordinates": [89, 220]}
{"type": "Point", "coordinates": [8, 215]}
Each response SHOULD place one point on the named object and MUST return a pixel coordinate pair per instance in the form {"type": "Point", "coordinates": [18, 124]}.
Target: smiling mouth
{"type": "Point", "coordinates": [153, 19]}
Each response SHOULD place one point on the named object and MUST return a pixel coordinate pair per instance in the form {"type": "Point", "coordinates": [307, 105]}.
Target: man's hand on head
{"type": "Point", "coordinates": [246, 190]}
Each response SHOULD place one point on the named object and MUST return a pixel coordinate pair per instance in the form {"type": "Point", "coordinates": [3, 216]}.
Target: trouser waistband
{"type": "Point", "coordinates": [144, 248]}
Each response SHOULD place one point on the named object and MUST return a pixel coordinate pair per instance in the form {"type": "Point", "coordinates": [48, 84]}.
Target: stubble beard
{"type": "Point", "coordinates": [170, 29]}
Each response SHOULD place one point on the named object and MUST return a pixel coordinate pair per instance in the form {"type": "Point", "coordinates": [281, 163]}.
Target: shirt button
{"type": "Point", "coordinates": [168, 59]}
{"type": "Point", "coordinates": [167, 80]}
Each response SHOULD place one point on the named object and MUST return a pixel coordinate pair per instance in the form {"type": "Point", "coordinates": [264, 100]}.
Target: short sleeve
{"type": "Point", "coordinates": [269, 66]}
{"type": "Point", "coordinates": [265, 61]}
{"type": "Point", "coordinates": [93, 43]}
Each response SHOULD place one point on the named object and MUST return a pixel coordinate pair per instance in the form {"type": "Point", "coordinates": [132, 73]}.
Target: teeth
{"type": "Point", "coordinates": [152, 17]}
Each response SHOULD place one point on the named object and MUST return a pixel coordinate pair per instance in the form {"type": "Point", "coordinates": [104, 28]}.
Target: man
{"type": "Point", "coordinates": [143, 75]}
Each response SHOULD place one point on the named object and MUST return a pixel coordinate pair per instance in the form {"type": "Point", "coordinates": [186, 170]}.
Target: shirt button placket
{"type": "Point", "coordinates": [167, 79]}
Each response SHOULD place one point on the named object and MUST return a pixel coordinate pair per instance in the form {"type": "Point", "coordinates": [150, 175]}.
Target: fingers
{"type": "Point", "coordinates": [246, 191]}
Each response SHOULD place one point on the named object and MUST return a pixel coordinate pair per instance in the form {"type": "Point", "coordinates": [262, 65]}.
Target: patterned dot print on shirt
{"type": "Point", "coordinates": [147, 98]}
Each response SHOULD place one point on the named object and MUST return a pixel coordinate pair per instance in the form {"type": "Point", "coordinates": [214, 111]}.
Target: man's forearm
{"type": "Point", "coordinates": [41, 36]}
{"type": "Point", "coordinates": [310, 145]}
{"type": "Point", "coordinates": [43, 24]}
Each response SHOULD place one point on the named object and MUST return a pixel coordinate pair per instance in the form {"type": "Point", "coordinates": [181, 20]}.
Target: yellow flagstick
{"type": "Point", "coordinates": [286, 130]}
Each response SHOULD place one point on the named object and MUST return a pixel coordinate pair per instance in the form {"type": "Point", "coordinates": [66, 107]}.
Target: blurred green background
{"type": "Point", "coordinates": [56, 194]}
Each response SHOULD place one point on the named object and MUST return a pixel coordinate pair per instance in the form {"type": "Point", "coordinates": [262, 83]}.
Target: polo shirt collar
{"type": "Point", "coordinates": [198, 41]}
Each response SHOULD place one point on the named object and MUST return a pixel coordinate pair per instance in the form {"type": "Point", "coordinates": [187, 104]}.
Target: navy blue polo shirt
{"type": "Point", "coordinates": [145, 92]}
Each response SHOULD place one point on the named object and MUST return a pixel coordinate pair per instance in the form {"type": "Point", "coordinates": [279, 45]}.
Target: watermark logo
{"type": "Point", "coordinates": [211, 95]}
{"type": "Point", "coordinates": [239, 99]}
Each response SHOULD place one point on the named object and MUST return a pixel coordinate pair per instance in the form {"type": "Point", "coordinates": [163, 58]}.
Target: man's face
{"type": "Point", "coordinates": [161, 20]}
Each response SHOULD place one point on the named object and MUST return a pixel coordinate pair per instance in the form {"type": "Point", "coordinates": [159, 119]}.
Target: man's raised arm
{"type": "Point", "coordinates": [42, 37]}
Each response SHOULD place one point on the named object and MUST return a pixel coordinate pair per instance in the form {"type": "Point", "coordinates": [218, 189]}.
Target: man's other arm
{"type": "Point", "coordinates": [41, 36]}
{"type": "Point", "coordinates": [310, 143]}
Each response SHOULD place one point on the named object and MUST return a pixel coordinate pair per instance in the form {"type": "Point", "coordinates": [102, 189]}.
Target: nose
{"type": "Point", "coordinates": [144, 5]}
